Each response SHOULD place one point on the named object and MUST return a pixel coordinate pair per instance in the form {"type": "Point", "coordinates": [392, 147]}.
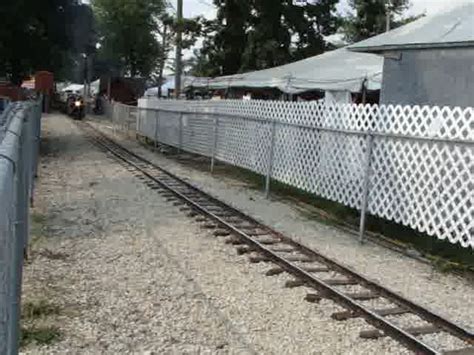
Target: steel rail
{"type": "Point", "coordinates": [325, 289]}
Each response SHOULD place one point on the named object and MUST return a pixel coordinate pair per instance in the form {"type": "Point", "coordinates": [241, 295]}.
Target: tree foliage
{"type": "Point", "coordinates": [370, 17]}
{"type": "Point", "coordinates": [128, 33]}
{"type": "Point", "coordinates": [36, 35]}
{"type": "Point", "coordinates": [257, 34]}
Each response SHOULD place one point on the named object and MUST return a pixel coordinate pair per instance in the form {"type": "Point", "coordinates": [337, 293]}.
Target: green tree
{"type": "Point", "coordinates": [370, 18]}
{"type": "Point", "coordinates": [257, 34]}
{"type": "Point", "coordinates": [35, 35]}
{"type": "Point", "coordinates": [200, 65]}
{"type": "Point", "coordinates": [128, 29]}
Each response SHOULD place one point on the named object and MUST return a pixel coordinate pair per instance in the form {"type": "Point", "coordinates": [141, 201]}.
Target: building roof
{"type": "Point", "coordinates": [454, 28]}
{"type": "Point", "coordinates": [339, 69]}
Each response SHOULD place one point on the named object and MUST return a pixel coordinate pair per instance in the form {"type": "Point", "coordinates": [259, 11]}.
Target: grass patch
{"type": "Point", "coordinates": [39, 309]}
{"type": "Point", "coordinates": [40, 335]}
{"type": "Point", "coordinates": [38, 218]}
{"type": "Point", "coordinates": [37, 226]}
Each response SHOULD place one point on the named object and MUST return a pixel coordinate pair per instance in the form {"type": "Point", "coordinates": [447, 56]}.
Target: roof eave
{"type": "Point", "coordinates": [391, 47]}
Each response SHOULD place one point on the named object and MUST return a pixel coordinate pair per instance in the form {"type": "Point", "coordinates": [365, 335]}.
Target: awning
{"type": "Point", "coordinates": [339, 70]}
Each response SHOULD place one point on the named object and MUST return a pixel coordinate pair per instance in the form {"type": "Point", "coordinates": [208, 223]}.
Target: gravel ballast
{"type": "Point", "coordinates": [445, 293]}
{"type": "Point", "coordinates": [131, 274]}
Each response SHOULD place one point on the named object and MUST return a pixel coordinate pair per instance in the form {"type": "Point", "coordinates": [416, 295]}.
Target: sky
{"type": "Point", "coordinates": [193, 8]}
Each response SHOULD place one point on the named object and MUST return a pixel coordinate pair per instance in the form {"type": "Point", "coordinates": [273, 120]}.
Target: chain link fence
{"type": "Point", "coordinates": [19, 148]}
{"type": "Point", "coordinates": [409, 164]}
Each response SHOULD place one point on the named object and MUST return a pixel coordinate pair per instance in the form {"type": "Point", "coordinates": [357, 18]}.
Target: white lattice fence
{"type": "Point", "coordinates": [421, 171]}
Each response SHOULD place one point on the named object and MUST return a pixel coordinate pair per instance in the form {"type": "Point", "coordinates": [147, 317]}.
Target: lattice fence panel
{"type": "Point", "coordinates": [422, 171]}
{"type": "Point", "coordinates": [243, 142]}
{"type": "Point", "coordinates": [329, 164]}
{"type": "Point", "coordinates": [147, 123]}
{"type": "Point", "coordinates": [426, 185]}
{"type": "Point", "coordinates": [198, 133]}
{"type": "Point", "coordinates": [169, 128]}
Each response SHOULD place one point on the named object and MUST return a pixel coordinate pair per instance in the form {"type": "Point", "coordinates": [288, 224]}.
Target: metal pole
{"type": "Point", "coordinates": [366, 187]}
{"type": "Point", "coordinates": [364, 92]}
{"type": "Point", "coordinates": [114, 109]}
{"type": "Point", "coordinates": [179, 36]}
{"type": "Point", "coordinates": [214, 144]}
{"type": "Point", "coordinates": [84, 89]}
{"type": "Point", "coordinates": [270, 160]}
{"type": "Point", "coordinates": [157, 120]}
{"type": "Point", "coordinates": [109, 85]}
{"type": "Point", "coordinates": [387, 16]}
{"type": "Point", "coordinates": [138, 123]}
{"type": "Point", "coordinates": [180, 132]}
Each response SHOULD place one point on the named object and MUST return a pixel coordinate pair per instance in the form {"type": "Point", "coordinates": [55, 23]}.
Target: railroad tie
{"type": "Point", "coordinates": [313, 297]}
{"type": "Point", "coordinates": [244, 250]}
{"type": "Point", "coordinates": [208, 226]}
{"type": "Point", "coordinates": [282, 250]}
{"type": "Point", "coordinates": [221, 233]}
{"type": "Point", "coordinates": [234, 241]}
{"type": "Point", "coordinates": [339, 282]}
{"type": "Point", "coordinates": [258, 233]}
{"type": "Point", "coordinates": [300, 258]}
{"type": "Point", "coordinates": [344, 315]}
{"type": "Point", "coordinates": [362, 296]}
{"type": "Point", "coordinates": [316, 269]}
{"type": "Point", "coordinates": [415, 331]}
{"type": "Point", "coordinates": [394, 311]}
{"type": "Point", "coordinates": [274, 271]}
{"type": "Point", "coordinates": [268, 241]}
{"type": "Point", "coordinates": [258, 259]}
{"type": "Point", "coordinates": [294, 283]}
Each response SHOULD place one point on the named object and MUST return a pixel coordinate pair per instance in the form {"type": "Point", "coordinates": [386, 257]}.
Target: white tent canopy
{"type": "Point", "coordinates": [338, 70]}
{"type": "Point", "coordinates": [74, 88]}
{"type": "Point", "coordinates": [186, 81]}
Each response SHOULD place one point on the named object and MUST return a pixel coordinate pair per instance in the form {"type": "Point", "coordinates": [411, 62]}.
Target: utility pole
{"type": "Point", "coordinates": [179, 37]}
{"type": "Point", "coordinates": [164, 52]}
{"type": "Point", "coordinates": [86, 75]}
{"type": "Point", "coordinates": [387, 14]}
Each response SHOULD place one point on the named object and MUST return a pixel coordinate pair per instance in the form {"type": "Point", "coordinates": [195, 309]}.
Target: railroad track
{"type": "Point", "coordinates": [308, 267]}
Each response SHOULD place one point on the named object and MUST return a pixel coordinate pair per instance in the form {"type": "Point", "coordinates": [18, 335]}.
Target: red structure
{"type": "Point", "coordinates": [15, 93]}
{"type": "Point", "coordinates": [44, 83]}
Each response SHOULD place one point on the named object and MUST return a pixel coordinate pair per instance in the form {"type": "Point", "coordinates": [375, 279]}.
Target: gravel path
{"type": "Point", "coordinates": [447, 294]}
{"type": "Point", "coordinates": [131, 274]}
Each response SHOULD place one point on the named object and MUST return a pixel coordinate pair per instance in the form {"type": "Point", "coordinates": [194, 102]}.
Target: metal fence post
{"type": "Point", "coordinates": [214, 143]}
{"type": "Point", "coordinates": [114, 118]}
{"type": "Point", "coordinates": [270, 160]}
{"type": "Point", "coordinates": [366, 187]}
{"type": "Point", "coordinates": [126, 122]}
{"type": "Point", "coordinates": [138, 121]}
{"type": "Point", "coordinates": [180, 132]}
{"type": "Point", "coordinates": [157, 120]}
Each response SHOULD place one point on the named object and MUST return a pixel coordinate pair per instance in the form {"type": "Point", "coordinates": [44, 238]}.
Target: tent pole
{"type": "Point", "coordinates": [364, 92]}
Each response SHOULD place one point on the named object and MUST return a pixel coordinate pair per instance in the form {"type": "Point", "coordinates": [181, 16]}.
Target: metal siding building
{"type": "Point", "coordinates": [429, 61]}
